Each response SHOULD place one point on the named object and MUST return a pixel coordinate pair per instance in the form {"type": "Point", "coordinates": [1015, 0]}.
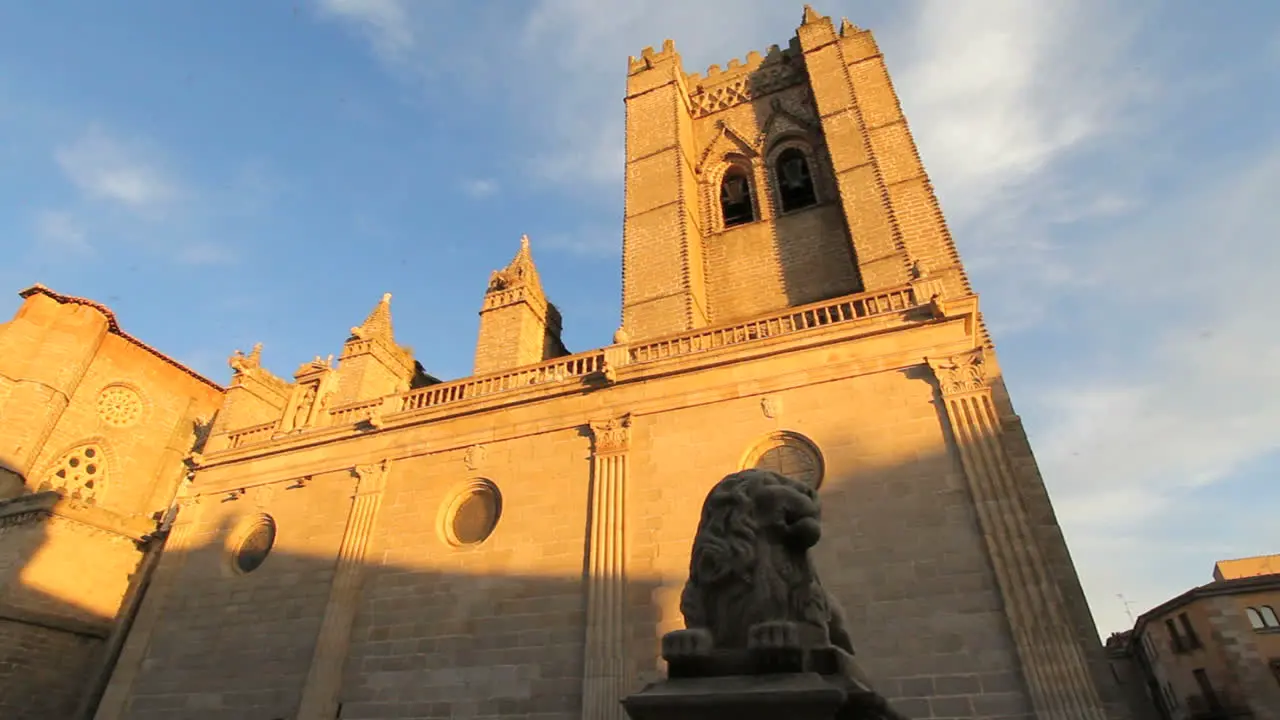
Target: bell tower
{"type": "Point", "coordinates": [785, 179]}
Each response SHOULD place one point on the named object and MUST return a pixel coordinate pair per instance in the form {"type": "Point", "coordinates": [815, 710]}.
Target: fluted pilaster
{"type": "Point", "coordinates": [604, 666]}
{"type": "Point", "coordinates": [1053, 663]}
{"type": "Point", "coordinates": [324, 679]}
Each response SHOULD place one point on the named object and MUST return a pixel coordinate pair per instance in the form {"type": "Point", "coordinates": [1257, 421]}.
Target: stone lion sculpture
{"type": "Point", "coordinates": [751, 564]}
{"type": "Point", "coordinates": [753, 588]}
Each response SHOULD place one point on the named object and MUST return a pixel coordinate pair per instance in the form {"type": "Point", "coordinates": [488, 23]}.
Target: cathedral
{"type": "Point", "coordinates": [362, 540]}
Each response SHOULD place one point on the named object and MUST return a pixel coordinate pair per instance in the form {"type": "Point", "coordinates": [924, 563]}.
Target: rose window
{"type": "Point", "coordinates": [119, 406]}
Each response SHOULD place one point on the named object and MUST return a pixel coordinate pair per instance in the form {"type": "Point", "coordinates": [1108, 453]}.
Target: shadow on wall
{"type": "Point", "coordinates": [434, 637]}
{"type": "Point", "coordinates": [50, 646]}
{"type": "Point", "coordinates": [425, 643]}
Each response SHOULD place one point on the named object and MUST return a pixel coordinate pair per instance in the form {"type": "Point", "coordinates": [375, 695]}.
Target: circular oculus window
{"type": "Point", "coordinates": [473, 514]}
{"type": "Point", "coordinates": [255, 546]}
{"type": "Point", "coordinates": [791, 455]}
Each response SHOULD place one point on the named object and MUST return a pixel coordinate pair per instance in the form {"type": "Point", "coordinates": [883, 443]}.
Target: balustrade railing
{"type": "Point", "coordinates": [250, 435]}
{"type": "Point", "coordinates": [792, 320]}
{"type": "Point", "coordinates": [563, 368]}
{"type": "Point", "coordinates": [354, 412]}
{"type": "Point", "coordinates": [846, 309]}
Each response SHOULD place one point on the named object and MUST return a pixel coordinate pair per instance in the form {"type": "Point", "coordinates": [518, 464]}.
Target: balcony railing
{"type": "Point", "coordinates": [792, 320]}
{"type": "Point", "coordinates": [848, 309]}
{"type": "Point", "coordinates": [250, 435]}
{"type": "Point", "coordinates": [557, 370]}
{"type": "Point", "coordinates": [354, 412]}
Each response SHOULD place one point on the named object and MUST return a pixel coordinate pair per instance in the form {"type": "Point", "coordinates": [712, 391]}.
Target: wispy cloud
{"type": "Point", "coordinates": [480, 187]}
{"type": "Point", "coordinates": [386, 24]}
{"type": "Point", "coordinates": [108, 168]}
{"type": "Point", "coordinates": [591, 243]}
{"type": "Point", "coordinates": [61, 232]}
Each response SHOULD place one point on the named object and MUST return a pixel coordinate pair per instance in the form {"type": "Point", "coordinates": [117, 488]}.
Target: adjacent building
{"type": "Point", "coordinates": [94, 429]}
{"type": "Point", "coordinates": [1213, 652]}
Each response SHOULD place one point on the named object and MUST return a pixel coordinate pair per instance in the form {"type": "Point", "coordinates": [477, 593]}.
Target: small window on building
{"type": "Point", "coordinates": [1207, 690]}
{"type": "Point", "coordinates": [1269, 617]}
{"type": "Point", "coordinates": [1189, 632]}
{"type": "Point", "coordinates": [735, 197]}
{"type": "Point", "coordinates": [795, 181]}
{"type": "Point", "coordinates": [1175, 639]}
{"type": "Point", "coordinates": [1255, 618]}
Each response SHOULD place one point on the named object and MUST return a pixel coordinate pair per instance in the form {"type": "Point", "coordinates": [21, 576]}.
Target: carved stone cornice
{"type": "Point", "coordinates": [40, 506]}
{"type": "Point", "coordinates": [53, 621]}
{"type": "Point", "coordinates": [612, 436]}
{"type": "Point", "coordinates": [962, 373]}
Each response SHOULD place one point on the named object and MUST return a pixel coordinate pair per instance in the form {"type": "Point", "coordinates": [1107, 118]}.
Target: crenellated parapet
{"type": "Point", "coordinates": [740, 82]}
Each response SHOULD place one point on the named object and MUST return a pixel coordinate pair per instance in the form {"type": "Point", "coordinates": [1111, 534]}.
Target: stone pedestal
{"type": "Point", "coordinates": [795, 696]}
{"type": "Point", "coordinates": [759, 683]}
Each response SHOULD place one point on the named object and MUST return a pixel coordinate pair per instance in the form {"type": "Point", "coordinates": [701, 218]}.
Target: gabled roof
{"type": "Point", "coordinates": [114, 326]}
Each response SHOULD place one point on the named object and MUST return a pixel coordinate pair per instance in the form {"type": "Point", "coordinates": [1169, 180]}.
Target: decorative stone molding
{"type": "Point", "coordinates": [1053, 662]}
{"type": "Point", "coordinates": [324, 679]}
{"type": "Point", "coordinates": [50, 504]}
{"type": "Point", "coordinates": [51, 621]}
{"type": "Point", "coordinates": [926, 286]}
{"type": "Point", "coordinates": [474, 457]}
{"type": "Point", "coordinates": [612, 436]}
{"type": "Point", "coordinates": [961, 373]}
{"type": "Point", "coordinates": [605, 671]}
{"type": "Point", "coordinates": [771, 406]}
{"type": "Point", "coordinates": [316, 383]}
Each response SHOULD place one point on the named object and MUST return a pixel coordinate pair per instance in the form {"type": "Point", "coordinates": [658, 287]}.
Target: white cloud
{"type": "Point", "coordinates": [1133, 430]}
{"type": "Point", "coordinates": [384, 23]}
{"type": "Point", "coordinates": [108, 168]}
{"type": "Point", "coordinates": [60, 231]}
{"type": "Point", "coordinates": [997, 90]}
{"type": "Point", "coordinates": [480, 187]}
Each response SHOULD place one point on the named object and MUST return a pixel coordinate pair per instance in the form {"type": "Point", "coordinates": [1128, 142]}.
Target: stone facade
{"type": "Point", "coordinates": [95, 429]}
{"type": "Point", "coordinates": [365, 541]}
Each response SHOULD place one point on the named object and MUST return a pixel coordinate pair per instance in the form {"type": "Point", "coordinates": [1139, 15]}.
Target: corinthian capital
{"type": "Point", "coordinates": [962, 373]}
{"type": "Point", "coordinates": [612, 436]}
{"type": "Point", "coordinates": [371, 476]}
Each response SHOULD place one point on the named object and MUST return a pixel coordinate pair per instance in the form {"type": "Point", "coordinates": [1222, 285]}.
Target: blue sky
{"type": "Point", "coordinates": [224, 173]}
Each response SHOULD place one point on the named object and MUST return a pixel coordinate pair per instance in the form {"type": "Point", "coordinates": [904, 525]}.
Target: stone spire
{"type": "Point", "coordinates": [519, 273]}
{"type": "Point", "coordinates": [518, 326]}
{"type": "Point", "coordinates": [373, 364]}
{"type": "Point", "coordinates": [378, 324]}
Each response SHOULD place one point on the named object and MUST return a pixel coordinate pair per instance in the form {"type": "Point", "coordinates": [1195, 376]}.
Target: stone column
{"type": "Point", "coordinates": [1054, 664]}
{"type": "Point", "coordinates": [604, 662]}
{"type": "Point", "coordinates": [115, 699]}
{"type": "Point", "coordinates": [324, 679]}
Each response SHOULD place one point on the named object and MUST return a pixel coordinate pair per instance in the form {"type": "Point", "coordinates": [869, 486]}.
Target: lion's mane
{"type": "Point", "coordinates": [741, 574]}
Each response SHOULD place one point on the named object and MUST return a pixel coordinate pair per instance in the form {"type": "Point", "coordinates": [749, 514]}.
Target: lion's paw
{"type": "Point", "coordinates": [776, 634]}
{"type": "Point", "coordinates": [684, 644]}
